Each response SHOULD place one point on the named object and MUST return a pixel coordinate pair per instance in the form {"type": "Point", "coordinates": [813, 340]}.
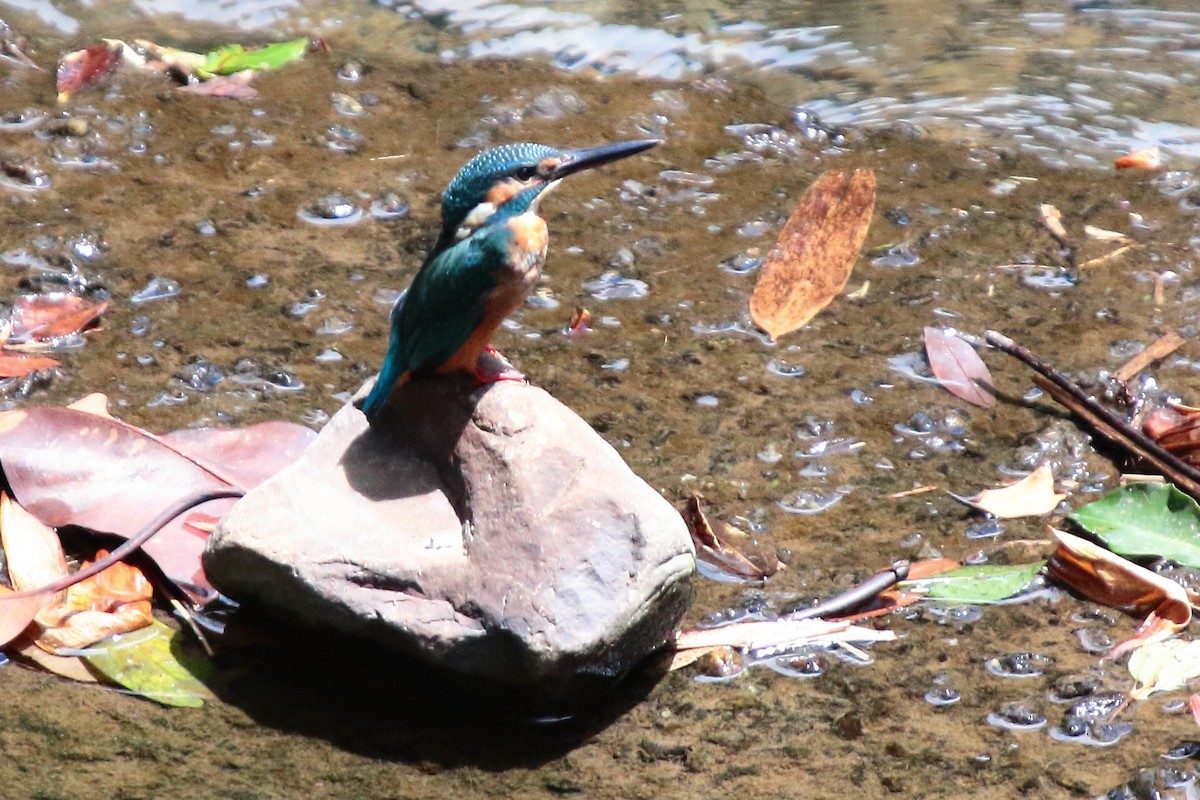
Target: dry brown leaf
{"type": "Point", "coordinates": [1149, 159]}
{"type": "Point", "coordinates": [811, 263]}
{"type": "Point", "coordinates": [1104, 235]}
{"type": "Point", "coordinates": [117, 600]}
{"type": "Point", "coordinates": [32, 549]}
{"type": "Point", "coordinates": [95, 403]}
{"type": "Point", "coordinates": [692, 644]}
{"type": "Point", "coordinates": [1104, 577]}
{"type": "Point", "coordinates": [1031, 496]}
{"type": "Point", "coordinates": [1051, 219]}
{"type": "Point", "coordinates": [731, 551]}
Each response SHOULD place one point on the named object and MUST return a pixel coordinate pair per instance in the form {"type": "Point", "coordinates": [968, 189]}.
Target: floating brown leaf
{"type": "Point", "coordinates": [1104, 577]}
{"type": "Point", "coordinates": [811, 262]}
{"type": "Point", "coordinates": [1031, 496]}
{"type": "Point", "coordinates": [732, 552]}
{"type": "Point", "coordinates": [87, 67]}
{"type": "Point", "coordinates": [1148, 159]}
{"type": "Point", "coordinates": [1176, 429]}
{"type": "Point", "coordinates": [958, 368]}
{"type": "Point", "coordinates": [47, 317]}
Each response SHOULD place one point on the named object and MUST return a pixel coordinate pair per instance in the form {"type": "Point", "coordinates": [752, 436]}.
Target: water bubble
{"type": "Point", "coordinates": [1051, 279]}
{"type": "Point", "coordinates": [205, 227]}
{"type": "Point", "coordinates": [985, 529]}
{"type": "Point", "coordinates": [943, 696]}
{"type": "Point", "coordinates": [723, 664]}
{"type": "Point", "coordinates": [806, 664]}
{"type": "Point", "coordinates": [21, 121]}
{"type": "Point", "coordinates": [781, 368]}
{"type": "Point", "coordinates": [897, 257]}
{"type": "Point", "coordinates": [741, 264]}
{"type": "Point", "coordinates": [1020, 716]}
{"type": "Point", "coordinates": [1094, 640]}
{"type": "Point", "coordinates": [613, 286]}
{"type": "Point", "coordinates": [328, 356]}
{"type": "Point", "coordinates": [316, 417]}
{"type": "Point", "coordinates": [807, 502]}
{"type": "Point", "coordinates": [351, 72]}
{"type": "Point", "coordinates": [1072, 687]}
{"type": "Point", "coordinates": [341, 139]}
{"type": "Point", "coordinates": [707, 401]}
{"type": "Point", "coordinates": [757, 227]}
{"type": "Point", "coordinates": [200, 375]}
{"type": "Point", "coordinates": [332, 209]}
{"type": "Point", "coordinates": [258, 280]}
{"type": "Point", "coordinates": [390, 206]}
{"type": "Point", "coordinates": [139, 325]}
{"type": "Point", "coordinates": [334, 326]}
{"type": "Point", "coordinates": [1183, 750]}
{"type": "Point", "coordinates": [770, 454]}
{"type": "Point", "coordinates": [156, 289]}
{"type": "Point", "coordinates": [616, 365]}
{"type": "Point", "coordinates": [1018, 665]}
{"type": "Point", "coordinates": [346, 105]}
{"type": "Point", "coordinates": [282, 380]}
{"type": "Point", "coordinates": [227, 129]}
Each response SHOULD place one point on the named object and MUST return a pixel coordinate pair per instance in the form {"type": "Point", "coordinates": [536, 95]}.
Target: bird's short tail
{"type": "Point", "coordinates": [387, 381]}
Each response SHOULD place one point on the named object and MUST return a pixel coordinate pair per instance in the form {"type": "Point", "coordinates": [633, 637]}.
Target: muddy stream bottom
{"type": "Point", "coordinates": [230, 305]}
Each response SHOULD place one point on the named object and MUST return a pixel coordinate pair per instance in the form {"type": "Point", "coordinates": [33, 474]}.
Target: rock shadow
{"type": "Point", "coordinates": [424, 421]}
{"type": "Point", "coordinates": [368, 701]}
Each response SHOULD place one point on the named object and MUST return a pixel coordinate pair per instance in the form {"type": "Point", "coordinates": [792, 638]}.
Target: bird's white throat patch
{"type": "Point", "coordinates": [479, 215]}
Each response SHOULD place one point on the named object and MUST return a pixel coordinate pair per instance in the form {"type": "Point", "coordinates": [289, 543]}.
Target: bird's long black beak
{"type": "Point", "coordinates": [587, 157]}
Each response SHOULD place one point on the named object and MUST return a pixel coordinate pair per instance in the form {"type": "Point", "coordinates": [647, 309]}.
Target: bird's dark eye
{"type": "Point", "coordinates": [526, 173]}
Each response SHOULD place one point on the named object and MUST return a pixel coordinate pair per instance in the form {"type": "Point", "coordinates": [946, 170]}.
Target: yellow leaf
{"type": "Point", "coordinates": [1031, 496]}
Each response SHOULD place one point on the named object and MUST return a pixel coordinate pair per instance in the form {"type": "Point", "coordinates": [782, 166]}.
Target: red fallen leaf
{"type": "Point", "coordinates": [13, 366]}
{"type": "Point", "coordinates": [236, 86]}
{"type": "Point", "coordinates": [1150, 158]}
{"type": "Point", "coordinates": [86, 68]}
{"type": "Point", "coordinates": [958, 368]}
{"type": "Point", "coordinates": [811, 262]}
{"type": "Point", "coordinates": [68, 466]}
{"type": "Point", "coordinates": [1175, 428]}
{"type": "Point", "coordinates": [1194, 707]}
{"type": "Point", "coordinates": [1105, 577]}
{"type": "Point", "coordinates": [45, 317]}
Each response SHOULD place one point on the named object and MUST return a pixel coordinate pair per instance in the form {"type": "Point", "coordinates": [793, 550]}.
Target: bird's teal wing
{"type": "Point", "coordinates": [444, 305]}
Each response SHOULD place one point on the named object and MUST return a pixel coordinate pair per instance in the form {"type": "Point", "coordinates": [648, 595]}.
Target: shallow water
{"type": "Point", "coordinates": [229, 306]}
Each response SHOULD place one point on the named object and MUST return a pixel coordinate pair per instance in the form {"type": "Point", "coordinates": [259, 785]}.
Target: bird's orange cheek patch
{"type": "Point", "coordinates": [503, 191]}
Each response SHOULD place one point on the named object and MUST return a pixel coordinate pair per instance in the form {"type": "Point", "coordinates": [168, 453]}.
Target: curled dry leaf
{"type": "Point", "coordinates": [811, 263]}
{"type": "Point", "coordinates": [1163, 666]}
{"type": "Point", "coordinates": [1176, 429]}
{"type": "Point", "coordinates": [958, 368]}
{"type": "Point", "coordinates": [1051, 219]}
{"type": "Point", "coordinates": [1104, 577]}
{"type": "Point", "coordinates": [732, 552]}
{"type": "Point", "coordinates": [116, 600]}
{"type": "Point", "coordinates": [87, 67]}
{"type": "Point", "coordinates": [1031, 496]}
{"type": "Point", "coordinates": [1149, 158]}
{"type": "Point", "coordinates": [34, 558]}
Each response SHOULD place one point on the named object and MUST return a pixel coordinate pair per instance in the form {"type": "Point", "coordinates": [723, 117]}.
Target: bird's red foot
{"type": "Point", "coordinates": [492, 367]}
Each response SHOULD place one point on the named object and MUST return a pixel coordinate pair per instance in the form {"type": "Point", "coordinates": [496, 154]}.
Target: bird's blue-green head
{"type": "Point", "coordinates": [520, 173]}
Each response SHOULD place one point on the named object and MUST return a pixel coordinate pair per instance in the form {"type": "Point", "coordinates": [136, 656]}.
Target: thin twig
{"type": "Point", "coordinates": [1102, 419]}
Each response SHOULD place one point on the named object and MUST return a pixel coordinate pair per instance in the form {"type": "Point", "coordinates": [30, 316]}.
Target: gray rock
{"type": "Point", "coordinates": [490, 533]}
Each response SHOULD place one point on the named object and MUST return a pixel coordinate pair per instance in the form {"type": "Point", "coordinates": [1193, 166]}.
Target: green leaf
{"type": "Point", "coordinates": [1145, 519]}
{"type": "Point", "coordinates": [151, 663]}
{"type": "Point", "coordinates": [234, 58]}
{"type": "Point", "coordinates": [986, 583]}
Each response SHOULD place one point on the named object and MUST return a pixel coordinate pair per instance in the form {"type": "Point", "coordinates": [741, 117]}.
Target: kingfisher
{"type": "Point", "coordinates": [489, 253]}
